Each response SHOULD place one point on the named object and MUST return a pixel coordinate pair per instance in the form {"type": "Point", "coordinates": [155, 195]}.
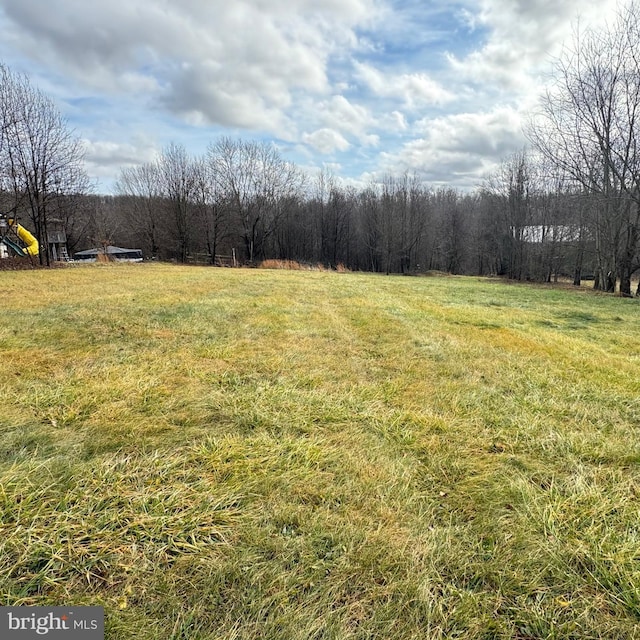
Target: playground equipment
{"type": "Point", "coordinates": [12, 238]}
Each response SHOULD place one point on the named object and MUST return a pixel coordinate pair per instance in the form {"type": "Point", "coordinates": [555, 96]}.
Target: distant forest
{"type": "Point", "coordinates": [244, 200]}
{"type": "Point", "coordinates": [568, 207]}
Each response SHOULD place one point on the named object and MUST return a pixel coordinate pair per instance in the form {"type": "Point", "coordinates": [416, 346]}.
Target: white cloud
{"type": "Point", "coordinates": [353, 120]}
{"type": "Point", "coordinates": [459, 149]}
{"type": "Point", "coordinates": [326, 141]}
{"type": "Point", "coordinates": [388, 84]}
{"type": "Point", "coordinates": [104, 158]}
{"type": "Point", "coordinates": [523, 36]}
{"type": "Point", "coordinates": [395, 121]}
{"type": "Point", "coordinates": [414, 89]}
{"type": "Point", "coordinates": [234, 63]}
{"type": "Point", "coordinates": [467, 18]}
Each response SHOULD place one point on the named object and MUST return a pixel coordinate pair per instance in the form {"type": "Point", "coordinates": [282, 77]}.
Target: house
{"type": "Point", "coordinates": [539, 233]}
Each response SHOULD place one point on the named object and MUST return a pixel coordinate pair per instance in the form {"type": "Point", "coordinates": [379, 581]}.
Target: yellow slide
{"type": "Point", "coordinates": [32, 247]}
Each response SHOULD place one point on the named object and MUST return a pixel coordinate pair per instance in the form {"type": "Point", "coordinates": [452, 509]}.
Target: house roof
{"type": "Point", "coordinates": [110, 250]}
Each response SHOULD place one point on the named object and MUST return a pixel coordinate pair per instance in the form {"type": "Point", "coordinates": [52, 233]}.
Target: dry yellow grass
{"type": "Point", "coordinates": [218, 453]}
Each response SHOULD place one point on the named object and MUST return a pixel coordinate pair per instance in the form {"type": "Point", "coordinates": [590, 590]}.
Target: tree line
{"type": "Point", "coordinates": [243, 198]}
{"type": "Point", "coordinates": [566, 207]}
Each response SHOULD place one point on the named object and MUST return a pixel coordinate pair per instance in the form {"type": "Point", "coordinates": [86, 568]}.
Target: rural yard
{"type": "Point", "coordinates": [262, 454]}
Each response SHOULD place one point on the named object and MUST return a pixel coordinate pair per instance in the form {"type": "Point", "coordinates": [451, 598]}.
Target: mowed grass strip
{"type": "Point", "coordinates": [214, 453]}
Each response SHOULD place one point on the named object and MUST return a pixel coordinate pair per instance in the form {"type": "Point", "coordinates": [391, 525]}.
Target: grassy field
{"type": "Point", "coordinates": [249, 454]}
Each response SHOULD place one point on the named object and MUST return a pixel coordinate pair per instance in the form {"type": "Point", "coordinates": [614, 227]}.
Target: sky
{"type": "Point", "coordinates": [363, 88]}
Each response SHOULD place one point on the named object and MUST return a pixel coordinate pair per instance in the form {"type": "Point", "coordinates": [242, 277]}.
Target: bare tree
{"type": "Point", "coordinates": [141, 189]}
{"type": "Point", "coordinates": [451, 233]}
{"type": "Point", "coordinates": [369, 228]}
{"type": "Point", "coordinates": [588, 126]}
{"type": "Point", "coordinates": [212, 210]}
{"type": "Point", "coordinates": [325, 186]}
{"type": "Point", "coordinates": [104, 223]}
{"type": "Point", "coordinates": [255, 182]}
{"type": "Point", "coordinates": [392, 221]}
{"type": "Point", "coordinates": [509, 189]}
{"type": "Point", "coordinates": [178, 186]}
{"type": "Point", "coordinates": [41, 160]}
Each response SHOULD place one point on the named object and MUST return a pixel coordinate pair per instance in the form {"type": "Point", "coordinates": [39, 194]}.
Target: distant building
{"type": "Point", "coordinates": [540, 233]}
{"type": "Point", "coordinates": [108, 254]}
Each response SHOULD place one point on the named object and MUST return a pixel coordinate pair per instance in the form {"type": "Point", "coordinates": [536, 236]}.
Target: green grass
{"type": "Point", "coordinates": [240, 454]}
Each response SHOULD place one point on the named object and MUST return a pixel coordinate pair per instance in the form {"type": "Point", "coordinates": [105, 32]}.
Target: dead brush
{"type": "Point", "coordinates": [290, 265]}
